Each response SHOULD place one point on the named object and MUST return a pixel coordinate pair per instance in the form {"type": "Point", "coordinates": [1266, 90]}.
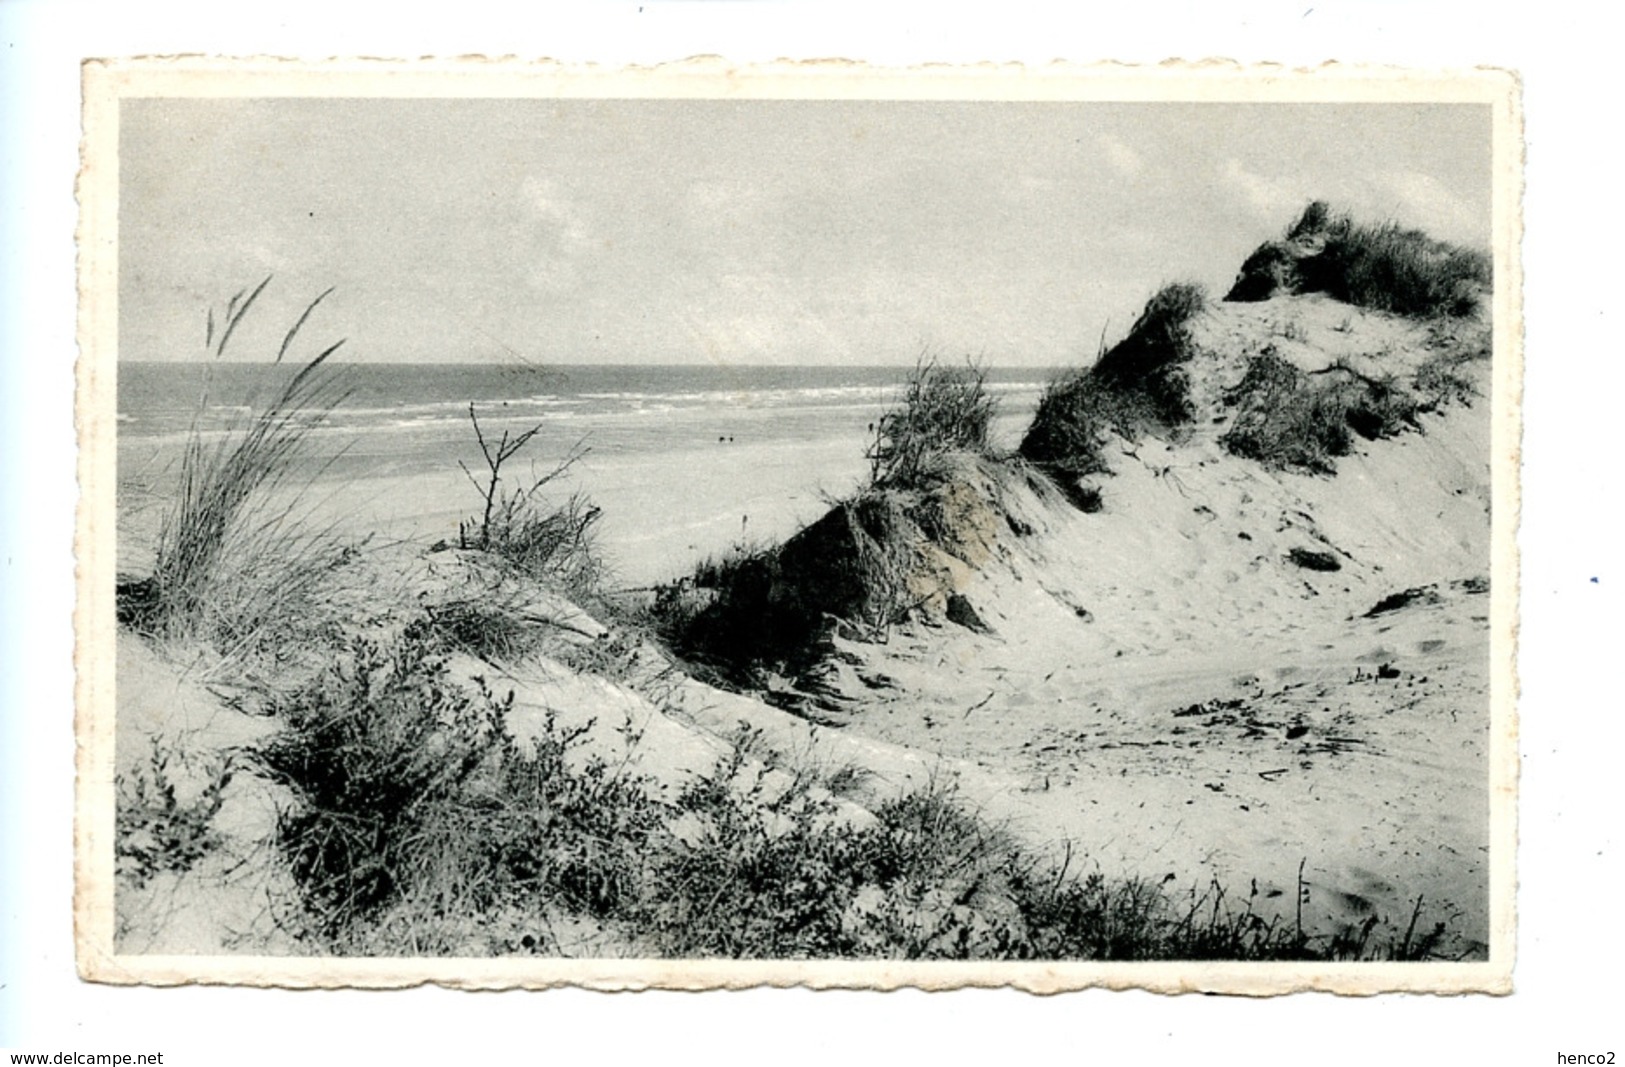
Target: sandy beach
{"type": "Point", "coordinates": [674, 486]}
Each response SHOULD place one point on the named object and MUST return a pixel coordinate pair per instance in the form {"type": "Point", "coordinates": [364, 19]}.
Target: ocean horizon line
{"type": "Point", "coordinates": [335, 361]}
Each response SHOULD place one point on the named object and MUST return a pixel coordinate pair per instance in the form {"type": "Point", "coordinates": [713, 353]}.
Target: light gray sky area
{"type": "Point", "coordinates": [631, 231]}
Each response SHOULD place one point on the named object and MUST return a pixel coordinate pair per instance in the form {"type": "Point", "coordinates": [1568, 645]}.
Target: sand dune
{"type": "Point", "coordinates": [1228, 672]}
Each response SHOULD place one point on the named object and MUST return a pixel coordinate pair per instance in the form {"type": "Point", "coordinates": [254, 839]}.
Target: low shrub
{"type": "Point", "coordinates": [410, 795]}
{"type": "Point", "coordinates": [783, 876]}
{"type": "Point", "coordinates": [418, 818]}
{"type": "Point", "coordinates": [758, 875]}
{"type": "Point", "coordinates": [553, 544]}
{"type": "Point", "coordinates": [1287, 419]}
{"type": "Point", "coordinates": [943, 409]}
{"type": "Point", "coordinates": [155, 829]}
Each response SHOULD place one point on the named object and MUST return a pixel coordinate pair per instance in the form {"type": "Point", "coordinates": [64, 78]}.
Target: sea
{"type": "Point", "coordinates": [683, 459]}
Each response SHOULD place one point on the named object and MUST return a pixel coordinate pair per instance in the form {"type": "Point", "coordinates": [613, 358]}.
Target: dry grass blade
{"type": "Point", "coordinates": [235, 313]}
{"type": "Point", "coordinates": [294, 331]}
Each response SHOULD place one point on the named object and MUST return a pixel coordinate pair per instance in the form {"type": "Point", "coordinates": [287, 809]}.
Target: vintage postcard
{"type": "Point", "coordinates": [704, 526]}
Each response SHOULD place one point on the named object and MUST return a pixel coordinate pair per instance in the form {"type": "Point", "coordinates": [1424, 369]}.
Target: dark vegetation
{"type": "Point", "coordinates": [410, 792]}
{"type": "Point", "coordinates": [1290, 419]}
{"type": "Point", "coordinates": [416, 809]}
{"type": "Point", "coordinates": [1312, 559]}
{"type": "Point", "coordinates": [1426, 596]}
{"type": "Point", "coordinates": [1139, 385]}
{"type": "Point", "coordinates": [1383, 266]}
{"type": "Point", "coordinates": [157, 826]}
{"type": "Point", "coordinates": [774, 610]}
{"type": "Point", "coordinates": [760, 617]}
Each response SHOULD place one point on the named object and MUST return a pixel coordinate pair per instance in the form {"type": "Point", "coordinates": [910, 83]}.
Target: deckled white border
{"type": "Point", "coordinates": [105, 82]}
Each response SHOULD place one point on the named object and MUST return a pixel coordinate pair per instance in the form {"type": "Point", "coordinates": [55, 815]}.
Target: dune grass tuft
{"type": "Point", "coordinates": [943, 409]}
{"type": "Point", "coordinates": [1391, 268]}
{"type": "Point", "coordinates": [232, 569]}
{"type": "Point", "coordinates": [1383, 266]}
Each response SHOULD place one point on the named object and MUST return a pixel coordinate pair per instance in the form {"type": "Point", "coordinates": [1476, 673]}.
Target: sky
{"type": "Point", "coordinates": [743, 231]}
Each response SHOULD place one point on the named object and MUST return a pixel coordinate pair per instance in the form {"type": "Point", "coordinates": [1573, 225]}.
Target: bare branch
{"type": "Point", "coordinates": [472, 480]}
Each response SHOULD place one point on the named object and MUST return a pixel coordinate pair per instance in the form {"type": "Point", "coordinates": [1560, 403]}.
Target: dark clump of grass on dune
{"type": "Point", "coordinates": [1391, 268]}
{"type": "Point", "coordinates": [420, 825]}
{"type": "Point", "coordinates": [1289, 419]}
{"type": "Point", "coordinates": [1283, 422]}
{"type": "Point", "coordinates": [231, 568]}
{"type": "Point", "coordinates": [764, 612]}
{"type": "Point", "coordinates": [1138, 385]}
{"type": "Point", "coordinates": [1383, 266]}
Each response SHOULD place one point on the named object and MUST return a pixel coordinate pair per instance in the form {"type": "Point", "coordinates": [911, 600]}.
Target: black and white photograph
{"type": "Point", "coordinates": [695, 528]}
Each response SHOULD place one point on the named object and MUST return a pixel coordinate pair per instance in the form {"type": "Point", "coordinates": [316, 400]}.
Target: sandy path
{"type": "Point", "coordinates": [1239, 765]}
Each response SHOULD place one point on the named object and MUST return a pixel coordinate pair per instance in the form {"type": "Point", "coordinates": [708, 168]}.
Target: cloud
{"type": "Point", "coordinates": [1123, 159]}
{"type": "Point", "coordinates": [743, 317]}
{"type": "Point", "coordinates": [714, 202]}
{"type": "Point", "coordinates": [1266, 199]}
{"type": "Point", "coordinates": [1424, 201]}
{"type": "Point", "coordinates": [1409, 197]}
{"type": "Point", "coordinates": [558, 236]}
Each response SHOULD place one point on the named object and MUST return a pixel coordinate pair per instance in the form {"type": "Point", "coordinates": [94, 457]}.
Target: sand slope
{"type": "Point", "coordinates": [1164, 688]}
